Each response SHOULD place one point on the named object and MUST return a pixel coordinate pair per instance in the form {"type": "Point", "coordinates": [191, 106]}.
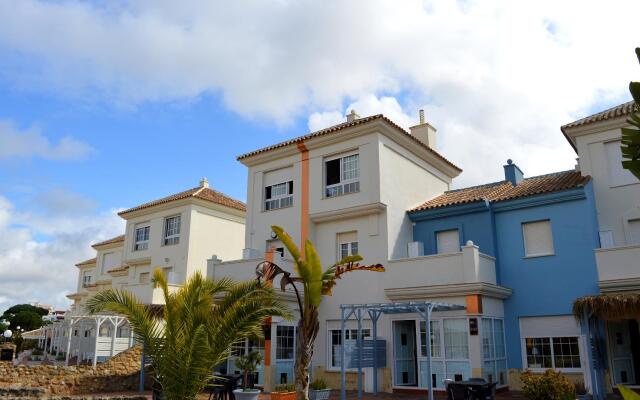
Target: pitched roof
{"type": "Point", "coordinates": [90, 261]}
{"type": "Point", "coordinates": [613, 112]}
{"type": "Point", "coordinates": [505, 190]}
{"type": "Point", "coordinates": [117, 239]}
{"type": "Point", "coordinates": [340, 127]}
{"type": "Point", "coordinates": [200, 192]}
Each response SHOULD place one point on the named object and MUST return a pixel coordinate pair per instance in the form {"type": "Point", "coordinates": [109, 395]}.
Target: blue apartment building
{"type": "Point", "coordinates": [542, 231]}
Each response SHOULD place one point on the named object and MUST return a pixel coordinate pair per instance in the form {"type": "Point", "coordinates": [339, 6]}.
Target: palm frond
{"type": "Point", "coordinates": [608, 307]}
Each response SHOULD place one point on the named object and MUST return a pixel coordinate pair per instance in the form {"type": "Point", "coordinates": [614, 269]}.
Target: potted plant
{"type": "Point", "coordinates": [284, 392]}
{"type": "Point", "coordinates": [318, 390]}
{"type": "Point", "coordinates": [249, 365]}
{"type": "Point", "coordinates": [581, 391]}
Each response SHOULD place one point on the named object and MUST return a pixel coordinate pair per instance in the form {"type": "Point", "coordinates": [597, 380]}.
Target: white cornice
{"type": "Point", "coordinates": [620, 285]}
{"type": "Point", "coordinates": [357, 211]}
{"type": "Point", "coordinates": [454, 290]}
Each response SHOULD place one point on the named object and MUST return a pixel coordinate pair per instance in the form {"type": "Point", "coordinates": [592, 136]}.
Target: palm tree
{"type": "Point", "coordinates": [316, 283]}
{"type": "Point", "coordinates": [194, 332]}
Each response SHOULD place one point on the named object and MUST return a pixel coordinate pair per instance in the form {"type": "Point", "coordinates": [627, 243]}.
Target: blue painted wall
{"type": "Point", "coordinates": [545, 286]}
{"type": "Point", "coordinates": [542, 286]}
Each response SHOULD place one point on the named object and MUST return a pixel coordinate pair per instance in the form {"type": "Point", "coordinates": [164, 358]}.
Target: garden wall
{"type": "Point", "coordinates": [120, 373]}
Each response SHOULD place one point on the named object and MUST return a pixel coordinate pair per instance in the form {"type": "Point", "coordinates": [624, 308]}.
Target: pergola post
{"type": "Point", "coordinates": [343, 339]}
{"type": "Point", "coordinates": [69, 341]}
{"type": "Point", "coordinates": [360, 349]}
{"type": "Point", "coordinates": [374, 315]}
{"type": "Point", "coordinates": [99, 322]}
{"type": "Point", "coordinates": [115, 321]}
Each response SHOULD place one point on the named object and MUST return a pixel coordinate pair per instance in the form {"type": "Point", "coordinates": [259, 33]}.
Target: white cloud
{"type": "Point", "coordinates": [31, 143]}
{"type": "Point", "coordinates": [496, 78]}
{"type": "Point", "coordinates": [38, 251]}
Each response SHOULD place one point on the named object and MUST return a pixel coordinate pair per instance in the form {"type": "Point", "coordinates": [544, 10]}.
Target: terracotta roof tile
{"type": "Point", "coordinates": [613, 112]}
{"type": "Point", "coordinates": [504, 190]}
{"type": "Point", "coordinates": [203, 193]}
{"type": "Point", "coordinates": [117, 239]}
{"type": "Point", "coordinates": [340, 127]}
{"type": "Point", "coordinates": [90, 261]}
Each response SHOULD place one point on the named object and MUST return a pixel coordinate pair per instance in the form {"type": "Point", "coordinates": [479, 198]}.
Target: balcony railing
{"type": "Point", "coordinates": [443, 274]}
{"type": "Point", "coordinates": [618, 268]}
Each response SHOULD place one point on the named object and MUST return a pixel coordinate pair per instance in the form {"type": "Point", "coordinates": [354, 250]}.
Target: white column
{"type": "Point", "coordinates": [69, 332]}
{"type": "Point", "coordinates": [80, 341]}
{"type": "Point", "coordinates": [95, 349]}
{"type": "Point", "coordinates": [115, 322]}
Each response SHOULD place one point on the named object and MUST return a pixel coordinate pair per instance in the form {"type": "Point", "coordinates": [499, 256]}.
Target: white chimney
{"type": "Point", "coordinates": [424, 132]}
{"type": "Point", "coordinates": [204, 182]}
{"type": "Point", "coordinates": [352, 116]}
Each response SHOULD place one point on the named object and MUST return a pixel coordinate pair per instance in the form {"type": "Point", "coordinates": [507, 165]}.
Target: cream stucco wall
{"type": "Point", "coordinates": [615, 204]}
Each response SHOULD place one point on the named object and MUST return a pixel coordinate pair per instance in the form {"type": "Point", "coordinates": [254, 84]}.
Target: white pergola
{"type": "Point", "coordinates": [375, 310]}
{"type": "Point", "coordinates": [56, 332]}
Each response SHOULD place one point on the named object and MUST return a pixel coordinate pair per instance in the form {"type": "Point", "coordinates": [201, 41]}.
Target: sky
{"type": "Point", "coordinates": [108, 104]}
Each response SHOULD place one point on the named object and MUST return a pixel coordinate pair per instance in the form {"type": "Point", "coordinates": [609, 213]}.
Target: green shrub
{"type": "Point", "coordinates": [285, 388]}
{"type": "Point", "coordinates": [37, 352]}
{"type": "Point", "coordinates": [318, 384]}
{"type": "Point", "coordinates": [61, 357]}
{"type": "Point", "coordinates": [29, 344]}
{"type": "Point", "coordinates": [551, 385]}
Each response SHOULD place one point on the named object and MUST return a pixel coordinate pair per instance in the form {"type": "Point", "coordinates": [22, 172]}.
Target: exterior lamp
{"type": "Point", "coordinates": [7, 334]}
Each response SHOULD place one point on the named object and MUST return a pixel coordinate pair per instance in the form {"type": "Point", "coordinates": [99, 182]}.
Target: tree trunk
{"type": "Point", "coordinates": [307, 331]}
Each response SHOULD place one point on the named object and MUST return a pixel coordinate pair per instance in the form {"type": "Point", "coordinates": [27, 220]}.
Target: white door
{"type": "Point", "coordinates": [621, 356]}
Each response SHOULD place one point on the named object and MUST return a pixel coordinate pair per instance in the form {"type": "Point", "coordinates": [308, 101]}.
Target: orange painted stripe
{"type": "Point", "coordinates": [474, 304]}
{"type": "Point", "coordinates": [304, 195]}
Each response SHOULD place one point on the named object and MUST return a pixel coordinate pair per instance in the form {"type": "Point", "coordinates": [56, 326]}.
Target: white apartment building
{"type": "Point", "coordinates": [596, 139]}
{"type": "Point", "coordinates": [347, 188]}
{"type": "Point", "coordinates": [177, 233]}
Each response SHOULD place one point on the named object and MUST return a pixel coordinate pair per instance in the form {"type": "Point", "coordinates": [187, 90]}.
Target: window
{"type": "Point", "coordinates": [347, 244]}
{"type": "Point", "coordinates": [86, 280]}
{"type": "Point", "coordinates": [538, 240]}
{"type": "Point", "coordinates": [456, 338]}
{"type": "Point", "coordinates": [110, 260]}
{"type": "Point", "coordinates": [342, 175]}
{"type": "Point", "coordinates": [617, 175]}
{"type": "Point", "coordinates": [172, 230]}
{"type": "Point", "coordinates": [141, 238]}
{"type": "Point", "coordinates": [435, 339]}
{"type": "Point", "coordinates": [351, 336]}
{"type": "Point", "coordinates": [145, 277]}
{"type": "Point", "coordinates": [606, 239]}
{"type": "Point", "coordinates": [285, 341]}
{"type": "Point", "coordinates": [448, 241]}
{"type": "Point", "coordinates": [634, 230]}
{"type": "Point", "coordinates": [278, 196]}
{"type": "Point", "coordinates": [557, 352]}
{"type": "Point", "coordinates": [494, 367]}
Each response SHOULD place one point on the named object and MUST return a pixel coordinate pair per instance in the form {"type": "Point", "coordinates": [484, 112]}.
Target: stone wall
{"type": "Point", "coordinates": [120, 373]}
{"type": "Point", "coordinates": [333, 378]}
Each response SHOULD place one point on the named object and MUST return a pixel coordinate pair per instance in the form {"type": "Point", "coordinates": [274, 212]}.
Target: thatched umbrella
{"type": "Point", "coordinates": [608, 306]}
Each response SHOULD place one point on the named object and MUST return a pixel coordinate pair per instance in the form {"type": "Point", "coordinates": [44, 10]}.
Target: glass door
{"type": "Point", "coordinates": [622, 360]}
{"type": "Point", "coordinates": [404, 339]}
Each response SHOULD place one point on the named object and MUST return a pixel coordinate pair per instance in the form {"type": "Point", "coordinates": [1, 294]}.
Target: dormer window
{"type": "Point", "coordinates": [142, 238]}
{"type": "Point", "coordinates": [342, 175]}
{"type": "Point", "coordinates": [172, 230]}
{"type": "Point", "coordinates": [278, 196]}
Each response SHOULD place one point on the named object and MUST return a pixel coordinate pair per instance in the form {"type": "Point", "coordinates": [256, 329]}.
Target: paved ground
{"type": "Point", "coordinates": [335, 395]}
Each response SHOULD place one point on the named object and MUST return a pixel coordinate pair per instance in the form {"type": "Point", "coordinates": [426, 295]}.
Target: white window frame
{"type": "Point", "coordinates": [493, 356]}
{"type": "Point", "coordinates": [169, 240]}
{"type": "Point", "coordinates": [525, 361]}
{"type": "Point", "coordinates": [338, 189]}
{"type": "Point", "coordinates": [445, 231]}
{"type": "Point", "coordinates": [139, 245]}
{"type": "Point", "coordinates": [350, 249]}
{"type": "Point", "coordinates": [524, 239]}
{"type": "Point", "coordinates": [146, 274]}
{"type": "Point", "coordinates": [366, 334]}
{"type": "Point", "coordinates": [277, 343]}
{"type": "Point", "coordinates": [86, 282]}
{"type": "Point", "coordinates": [279, 201]}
